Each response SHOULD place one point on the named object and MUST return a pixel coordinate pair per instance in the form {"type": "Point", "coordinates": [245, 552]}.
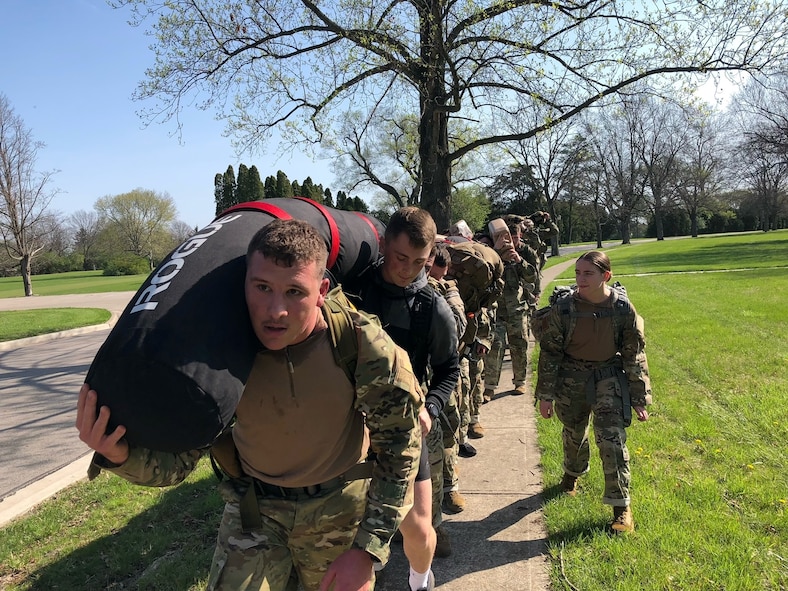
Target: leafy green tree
{"type": "Point", "coordinates": [226, 197]}
{"type": "Point", "coordinates": [515, 190]}
{"type": "Point", "coordinates": [312, 191]}
{"type": "Point", "coordinates": [270, 187]}
{"type": "Point", "coordinates": [327, 198]}
{"type": "Point", "coordinates": [218, 192]}
{"type": "Point", "coordinates": [283, 186]}
{"type": "Point", "coordinates": [250, 187]}
{"type": "Point", "coordinates": [141, 219]}
{"type": "Point", "coordinates": [437, 60]}
{"type": "Point", "coordinates": [296, 189]}
{"type": "Point", "coordinates": [469, 203]}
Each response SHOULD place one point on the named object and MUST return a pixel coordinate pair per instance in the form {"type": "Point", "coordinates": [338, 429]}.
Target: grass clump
{"type": "Point", "coordinates": [74, 282]}
{"type": "Point", "coordinates": [29, 323]}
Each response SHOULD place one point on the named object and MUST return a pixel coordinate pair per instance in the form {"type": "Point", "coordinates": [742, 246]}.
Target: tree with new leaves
{"type": "Point", "coordinates": [141, 219]}
{"type": "Point", "coordinates": [296, 65]}
{"type": "Point", "coordinates": [24, 193]}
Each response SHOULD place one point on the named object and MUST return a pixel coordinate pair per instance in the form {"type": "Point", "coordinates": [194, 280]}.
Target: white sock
{"type": "Point", "coordinates": [418, 580]}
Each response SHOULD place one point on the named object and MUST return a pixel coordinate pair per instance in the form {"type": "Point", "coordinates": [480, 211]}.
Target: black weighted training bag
{"type": "Point", "coordinates": [174, 366]}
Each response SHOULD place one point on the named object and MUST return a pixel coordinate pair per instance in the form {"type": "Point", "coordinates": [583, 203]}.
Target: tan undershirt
{"type": "Point", "coordinates": [299, 428]}
{"type": "Point", "coordinates": [593, 338]}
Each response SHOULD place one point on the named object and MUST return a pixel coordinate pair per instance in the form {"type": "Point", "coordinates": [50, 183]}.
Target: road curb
{"type": "Point", "coordinates": [45, 338]}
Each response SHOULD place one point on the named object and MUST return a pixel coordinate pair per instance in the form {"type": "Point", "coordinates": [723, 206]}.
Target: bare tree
{"type": "Point", "coordinates": [700, 164]}
{"type": "Point", "coordinates": [761, 116]}
{"type": "Point", "coordinates": [181, 231]}
{"type": "Point", "coordinates": [294, 64]}
{"type": "Point", "coordinates": [661, 134]}
{"type": "Point", "coordinates": [613, 140]}
{"type": "Point", "coordinates": [86, 229]}
{"type": "Point", "coordinates": [761, 110]}
{"type": "Point", "coordinates": [549, 157]}
{"type": "Point", "coordinates": [25, 193]}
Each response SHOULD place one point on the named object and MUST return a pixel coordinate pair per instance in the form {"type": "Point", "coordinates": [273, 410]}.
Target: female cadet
{"type": "Point", "coordinates": [593, 361]}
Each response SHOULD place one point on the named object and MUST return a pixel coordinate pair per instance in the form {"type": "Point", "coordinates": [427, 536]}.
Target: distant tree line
{"type": "Point", "coordinates": [229, 190]}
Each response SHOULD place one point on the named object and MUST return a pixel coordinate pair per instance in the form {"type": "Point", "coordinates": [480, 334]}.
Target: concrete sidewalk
{"type": "Point", "coordinates": [499, 541]}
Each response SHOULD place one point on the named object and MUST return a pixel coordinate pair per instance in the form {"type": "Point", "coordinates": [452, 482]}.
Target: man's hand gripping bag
{"type": "Point", "coordinates": [173, 368]}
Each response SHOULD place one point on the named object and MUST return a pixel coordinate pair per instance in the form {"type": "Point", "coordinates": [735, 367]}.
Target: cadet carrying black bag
{"type": "Point", "coordinates": [174, 366]}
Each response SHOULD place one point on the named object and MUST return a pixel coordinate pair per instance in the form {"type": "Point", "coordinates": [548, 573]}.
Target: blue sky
{"type": "Point", "coordinates": [69, 70]}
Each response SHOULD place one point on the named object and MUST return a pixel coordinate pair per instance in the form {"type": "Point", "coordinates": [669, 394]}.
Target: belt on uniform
{"type": "Point", "coordinates": [592, 376]}
{"type": "Point", "coordinates": [250, 512]}
{"type": "Point", "coordinates": [357, 472]}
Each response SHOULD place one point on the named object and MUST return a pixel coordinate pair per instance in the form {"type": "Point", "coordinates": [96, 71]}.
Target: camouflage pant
{"type": "Point", "coordinates": [574, 410]}
{"type": "Point", "coordinates": [514, 330]}
{"type": "Point", "coordinates": [451, 480]}
{"type": "Point", "coordinates": [435, 451]}
{"type": "Point", "coordinates": [464, 390]}
{"type": "Point", "coordinates": [476, 391]}
{"type": "Point", "coordinates": [298, 541]}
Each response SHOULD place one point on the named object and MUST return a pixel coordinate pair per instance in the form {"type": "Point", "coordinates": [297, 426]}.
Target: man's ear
{"type": "Point", "coordinates": [325, 284]}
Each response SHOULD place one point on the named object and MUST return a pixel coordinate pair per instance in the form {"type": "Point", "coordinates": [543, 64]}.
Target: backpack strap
{"type": "Point", "coordinates": [342, 330]}
{"type": "Point", "coordinates": [420, 324]}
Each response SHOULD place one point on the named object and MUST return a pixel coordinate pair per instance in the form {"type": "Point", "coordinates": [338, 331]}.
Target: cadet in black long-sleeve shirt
{"type": "Point", "coordinates": [421, 322]}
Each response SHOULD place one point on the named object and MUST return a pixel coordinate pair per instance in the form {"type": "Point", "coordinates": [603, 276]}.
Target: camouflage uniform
{"type": "Point", "coordinates": [451, 420]}
{"type": "Point", "coordinates": [530, 252]}
{"type": "Point", "coordinates": [304, 530]}
{"type": "Point", "coordinates": [484, 324]}
{"type": "Point", "coordinates": [511, 323]}
{"type": "Point", "coordinates": [581, 388]}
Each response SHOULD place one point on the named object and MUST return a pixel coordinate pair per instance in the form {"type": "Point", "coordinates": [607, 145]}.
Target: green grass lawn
{"type": "Point", "coordinates": [29, 323]}
{"type": "Point", "coordinates": [709, 473]}
{"type": "Point", "coordinates": [74, 282]}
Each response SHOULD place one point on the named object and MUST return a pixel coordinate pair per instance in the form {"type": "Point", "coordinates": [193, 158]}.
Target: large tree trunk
{"type": "Point", "coordinates": [660, 227]}
{"type": "Point", "coordinates": [24, 267]}
{"type": "Point", "coordinates": [626, 234]}
{"type": "Point", "coordinates": [694, 223]}
{"type": "Point", "coordinates": [433, 125]}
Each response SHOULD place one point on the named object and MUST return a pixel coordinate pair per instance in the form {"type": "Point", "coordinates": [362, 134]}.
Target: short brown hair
{"type": "Point", "coordinates": [440, 253]}
{"type": "Point", "coordinates": [288, 242]}
{"type": "Point", "coordinates": [599, 259]}
{"type": "Point", "coordinates": [416, 223]}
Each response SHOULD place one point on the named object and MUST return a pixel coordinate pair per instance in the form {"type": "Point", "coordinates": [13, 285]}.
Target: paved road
{"type": "Point", "coordinates": [39, 381]}
{"type": "Point", "coordinates": [38, 394]}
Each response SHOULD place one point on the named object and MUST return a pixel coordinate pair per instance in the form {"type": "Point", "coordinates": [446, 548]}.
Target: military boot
{"type": "Point", "coordinates": [453, 502]}
{"type": "Point", "coordinates": [569, 485]}
{"type": "Point", "coordinates": [623, 520]}
{"type": "Point", "coordinates": [475, 431]}
{"type": "Point", "coordinates": [488, 395]}
{"type": "Point", "coordinates": [519, 390]}
{"type": "Point", "coordinates": [443, 545]}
